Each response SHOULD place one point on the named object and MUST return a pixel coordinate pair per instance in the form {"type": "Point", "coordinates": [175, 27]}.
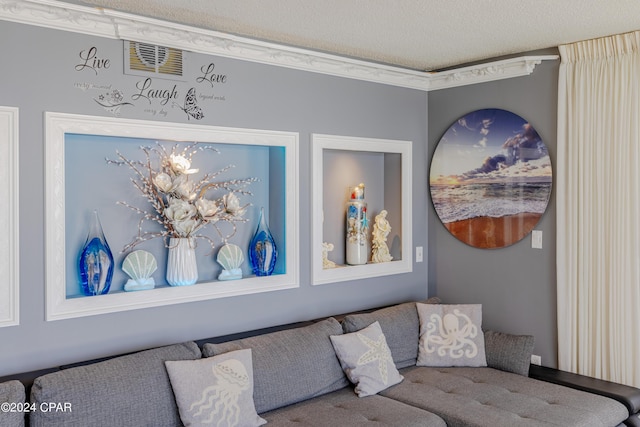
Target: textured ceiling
{"type": "Point", "coordinates": [418, 34]}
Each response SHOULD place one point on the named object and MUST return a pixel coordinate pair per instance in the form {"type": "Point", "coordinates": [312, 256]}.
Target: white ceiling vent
{"type": "Point", "coordinates": [151, 60]}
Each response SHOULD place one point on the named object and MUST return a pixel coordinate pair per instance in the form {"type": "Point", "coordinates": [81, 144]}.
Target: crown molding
{"type": "Point", "coordinates": [481, 73]}
{"type": "Point", "coordinates": [118, 25]}
{"type": "Point", "coordinates": [59, 16]}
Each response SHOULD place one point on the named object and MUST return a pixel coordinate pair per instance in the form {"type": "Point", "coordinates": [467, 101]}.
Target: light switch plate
{"type": "Point", "coordinates": [536, 239]}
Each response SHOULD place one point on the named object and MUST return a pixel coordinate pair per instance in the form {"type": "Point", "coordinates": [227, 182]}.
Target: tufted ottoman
{"type": "Point", "coordinates": [490, 397]}
{"type": "Point", "coordinates": [345, 408]}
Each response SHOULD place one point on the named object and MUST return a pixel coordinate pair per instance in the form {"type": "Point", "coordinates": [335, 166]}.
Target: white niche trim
{"type": "Point", "coordinates": [397, 177]}
{"type": "Point", "coordinates": [59, 306]}
{"type": "Point", "coordinates": [9, 229]}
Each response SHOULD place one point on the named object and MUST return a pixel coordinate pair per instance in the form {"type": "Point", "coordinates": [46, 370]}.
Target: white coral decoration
{"type": "Point", "coordinates": [177, 199]}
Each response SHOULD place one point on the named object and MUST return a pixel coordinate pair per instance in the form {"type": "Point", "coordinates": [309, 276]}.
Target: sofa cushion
{"type": "Point", "coordinates": [218, 388]}
{"type": "Point", "coordinates": [490, 397]}
{"type": "Point", "coordinates": [511, 353]}
{"type": "Point", "coordinates": [400, 325]}
{"type": "Point", "coordinates": [366, 359]}
{"type": "Point", "coordinates": [131, 390]}
{"type": "Point", "coordinates": [12, 392]}
{"type": "Point", "coordinates": [451, 335]}
{"type": "Point", "coordinates": [291, 365]}
{"type": "Point", "coordinates": [344, 408]}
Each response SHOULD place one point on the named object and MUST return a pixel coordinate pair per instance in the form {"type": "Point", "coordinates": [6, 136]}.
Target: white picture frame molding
{"type": "Point", "coordinates": [322, 276]}
{"type": "Point", "coordinates": [58, 306]}
{"type": "Point", "coordinates": [9, 218]}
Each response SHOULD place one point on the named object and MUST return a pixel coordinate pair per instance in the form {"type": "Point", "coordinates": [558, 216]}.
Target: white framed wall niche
{"type": "Point", "coordinates": [384, 167]}
{"type": "Point", "coordinates": [81, 177]}
{"type": "Point", "coordinates": [9, 245]}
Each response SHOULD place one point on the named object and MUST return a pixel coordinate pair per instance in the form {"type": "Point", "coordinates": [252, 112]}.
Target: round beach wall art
{"type": "Point", "coordinates": [490, 178]}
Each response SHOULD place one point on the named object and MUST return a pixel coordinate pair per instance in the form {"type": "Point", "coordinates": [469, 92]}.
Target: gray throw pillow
{"type": "Point", "coordinates": [131, 390]}
{"type": "Point", "coordinates": [292, 365]}
{"type": "Point", "coordinates": [400, 326]}
{"type": "Point", "coordinates": [12, 392]}
{"type": "Point", "coordinates": [507, 352]}
{"type": "Point", "coordinates": [216, 389]}
{"type": "Point", "coordinates": [366, 359]}
{"type": "Point", "coordinates": [451, 335]}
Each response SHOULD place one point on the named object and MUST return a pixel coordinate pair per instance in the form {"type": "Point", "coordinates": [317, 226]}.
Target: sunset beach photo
{"type": "Point", "coordinates": [490, 178]}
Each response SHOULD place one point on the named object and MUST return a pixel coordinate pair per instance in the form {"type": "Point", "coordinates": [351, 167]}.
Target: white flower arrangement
{"type": "Point", "coordinates": [179, 203]}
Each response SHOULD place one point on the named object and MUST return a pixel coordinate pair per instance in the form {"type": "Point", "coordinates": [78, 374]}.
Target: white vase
{"type": "Point", "coordinates": [182, 269]}
{"type": "Point", "coordinates": [357, 242]}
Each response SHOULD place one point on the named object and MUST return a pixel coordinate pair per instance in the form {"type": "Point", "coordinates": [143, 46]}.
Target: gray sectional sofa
{"type": "Point", "coordinates": [298, 380]}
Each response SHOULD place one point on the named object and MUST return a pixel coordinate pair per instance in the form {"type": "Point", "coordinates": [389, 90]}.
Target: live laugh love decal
{"type": "Point", "coordinates": [159, 96]}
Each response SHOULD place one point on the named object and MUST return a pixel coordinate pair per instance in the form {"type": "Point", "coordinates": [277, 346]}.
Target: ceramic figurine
{"type": "Point", "coordinates": [381, 229]}
{"type": "Point", "coordinates": [326, 262]}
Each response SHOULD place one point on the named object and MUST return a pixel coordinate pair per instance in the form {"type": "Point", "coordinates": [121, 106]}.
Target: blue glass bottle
{"type": "Point", "coordinates": [95, 263]}
{"type": "Point", "coordinates": [262, 249]}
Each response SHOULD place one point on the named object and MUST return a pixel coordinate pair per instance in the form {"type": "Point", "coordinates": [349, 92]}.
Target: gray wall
{"type": "Point", "coordinates": [516, 284]}
{"type": "Point", "coordinates": [39, 74]}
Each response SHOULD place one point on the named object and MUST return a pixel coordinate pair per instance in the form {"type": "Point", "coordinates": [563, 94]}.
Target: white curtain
{"type": "Point", "coordinates": [598, 208]}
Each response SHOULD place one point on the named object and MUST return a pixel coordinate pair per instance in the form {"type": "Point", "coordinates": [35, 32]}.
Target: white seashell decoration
{"type": "Point", "coordinates": [230, 257]}
{"type": "Point", "coordinates": [139, 265]}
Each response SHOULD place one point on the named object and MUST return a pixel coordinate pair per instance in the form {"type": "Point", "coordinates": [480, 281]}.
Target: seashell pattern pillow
{"type": "Point", "coordinates": [366, 360]}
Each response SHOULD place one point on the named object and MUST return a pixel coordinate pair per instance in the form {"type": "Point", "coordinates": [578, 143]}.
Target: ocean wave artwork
{"type": "Point", "coordinates": [490, 178]}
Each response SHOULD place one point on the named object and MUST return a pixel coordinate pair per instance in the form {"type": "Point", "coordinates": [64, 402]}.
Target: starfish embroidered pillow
{"type": "Point", "coordinates": [451, 335]}
{"type": "Point", "coordinates": [215, 390]}
{"type": "Point", "coordinates": [366, 360]}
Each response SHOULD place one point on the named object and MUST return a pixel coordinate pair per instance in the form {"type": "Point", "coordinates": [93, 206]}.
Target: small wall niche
{"type": "Point", "coordinates": [384, 166]}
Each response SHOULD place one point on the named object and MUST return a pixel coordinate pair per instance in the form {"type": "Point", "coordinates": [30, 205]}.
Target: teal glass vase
{"type": "Point", "coordinates": [95, 262]}
{"type": "Point", "coordinates": [262, 249]}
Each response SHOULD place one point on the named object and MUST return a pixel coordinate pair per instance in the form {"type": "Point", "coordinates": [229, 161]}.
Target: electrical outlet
{"type": "Point", "coordinates": [536, 360]}
{"type": "Point", "coordinates": [418, 253]}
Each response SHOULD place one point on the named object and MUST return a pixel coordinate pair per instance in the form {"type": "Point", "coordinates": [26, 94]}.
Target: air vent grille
{"type": "Point", "coordinates": [148, 59]}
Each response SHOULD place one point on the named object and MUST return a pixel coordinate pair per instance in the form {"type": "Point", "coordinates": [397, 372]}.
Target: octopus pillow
{"type": "Point", "coordinates": [216, 390]}
{"type": "Point", "coordinates": [451, 335]}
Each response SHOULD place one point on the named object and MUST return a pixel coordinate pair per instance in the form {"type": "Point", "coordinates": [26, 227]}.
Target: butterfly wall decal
{"type": "Point", "coordinates": [191, 106]}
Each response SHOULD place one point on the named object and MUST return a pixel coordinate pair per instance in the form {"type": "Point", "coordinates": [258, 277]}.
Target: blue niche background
{"type": "Point", "coordinates": [91, 183]}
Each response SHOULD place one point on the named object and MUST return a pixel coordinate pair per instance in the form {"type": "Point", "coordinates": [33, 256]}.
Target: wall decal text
{"type": "Point", "coordinates": [146, 91]}
{"type": "Point", "coordinates": [91, 61]}
{"type": "Point", "coordinates": [209, 76]}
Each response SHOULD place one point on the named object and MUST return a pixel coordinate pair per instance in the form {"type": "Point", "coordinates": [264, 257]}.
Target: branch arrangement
{"type": "Point", "coordinates": [179, 203]}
